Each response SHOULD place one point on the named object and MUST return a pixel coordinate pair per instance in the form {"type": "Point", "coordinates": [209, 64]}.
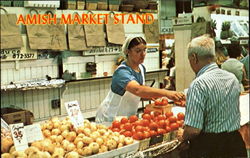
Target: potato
{"type": "Point", "coordinates": [87, 140]}
{"type": "Point", "coordinates": [128, 140]}
{"type": "Point", "coordinates": [87, 151]}
{"type": "Point", "coordinates": [103, 148]}
{"type": "Point", "coordinates": [72, 154]}
{"type": "Point", "coordinates": [112, 144]}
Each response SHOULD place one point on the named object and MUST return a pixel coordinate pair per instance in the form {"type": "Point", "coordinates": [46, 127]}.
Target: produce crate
{"type": "Point", "coordinates": [80, 4]}
{"type": "Point", "coordinates": [144, 144]}
{"type": "Point", "coordinates": [155, 140]}
{"type": "Point", "coordinates": [167, 137]}
{"type": "Point", "coordinates": [161, 109]}
{"type": "Point", "coordinates": [120, 152]}
{"type": "Point", "coordinates": [12, 115]}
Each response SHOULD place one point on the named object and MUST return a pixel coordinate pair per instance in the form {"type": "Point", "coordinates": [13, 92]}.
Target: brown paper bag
{"type": "Point", "coordinates": [152, 32]}
{"type": "Point", "coordinates": [115, 32]}
{"type": "Point", "coordinates": [10, 32]}
{"type": "Point", "coordinates": [76, 37]}
{"type": "Point", "coordinates": [49, 36]}
{"type": "Point", "coordinates": [94, 35]}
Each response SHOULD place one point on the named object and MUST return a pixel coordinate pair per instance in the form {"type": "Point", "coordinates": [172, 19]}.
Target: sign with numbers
{"type": "Point", "coordinates": [74, 113]}
{"type": "Point", "coordinates": [33, 132]}
{"type": "Point", "coordinates": [19, 136]}
{"type": "Point", "coordinates": [103, 50]}
{"type": "Point", "coordinates": [17, 54]}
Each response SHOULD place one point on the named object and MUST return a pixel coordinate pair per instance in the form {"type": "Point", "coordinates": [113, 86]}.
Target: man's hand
{"type": "Point", "coordinates": [175, 96]}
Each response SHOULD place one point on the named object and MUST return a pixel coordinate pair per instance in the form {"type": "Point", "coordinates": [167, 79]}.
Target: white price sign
{"type": "Point", "coordinates": [33, 132]}
{"type": "Point", "coordinates": [74, 113]}
{"type": "Point", "coordinates": [19, 136]}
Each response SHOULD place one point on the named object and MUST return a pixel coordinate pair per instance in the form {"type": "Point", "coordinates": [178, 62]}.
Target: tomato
{"type": "Point", "coordinates": [168, 129]}
{"type": "Point", "coordinates": [146, 129]}
{"type": "Point", "coordinates": [164, 101]}
{"type": "Point", "coordinates": [174, 126]}
{"type": "Point", "coordinates": [128, 134]}
{"type": "Point", "coordinates": [116, 124]}
{"type": "Point", "coordinates": [161, 123]}
{"type": "Point", "coordinates": [135, 136]}
{"type": "Point", "coordinates": [180, 123]}
{"type": "Point", "coordinates": [133, 118]}
{"type": "Point", "coordinates": [180, 116]}
{"type": "Point", "coordinates": [152, 133]}
{"type": "Point", "coordinates": [146, 117]}
{"type": "Point", "coordinates": [172, 119]}
{"type": "Point", "coordinates": [157, 102]}
{"type": "Point", "coordinates": [167, 123]}
{"type": "Point", "coordinates": [139, 128]}
{"type": "Point", "coordinates": [156, 113]}
{"type": "Point", "coordinates": [161, 131]}
{"type": "Point", "coordinates": [145, 123]}
{"type": "Point", "coordinates": [152, 116]}
{"type": "Point", "coordinates": [168, 114]}
{"type": "Point", "coordinates": [116, 130]}
{"type": "Point", "coordinates": [146, 134]}
{"type": "Point", "coordinates": [140, 135]}
{"type": "Point", "coordinates": [127, 126]}
{"type": "Point", "coordinates": [124, 120]}
{"type": "Point", "coordinates": [161, 117]}
{"type": "Point", "coordinates": [153, 126]}
{"type": "Point", "coordinates": [146, 111]}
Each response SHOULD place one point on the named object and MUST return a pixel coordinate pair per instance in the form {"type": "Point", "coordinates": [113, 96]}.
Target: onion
{"type": "Point", "coordinates": [63, 127]}
{"type": "Point", "coordinates": [55, 119]}
{"type": "Point", "coordinates": [46, 133]}
{"type": "Point", "coordinates": [99, 141]}
{"type": "Point", "coordinates": [87, 131]}
{"type": "Point", "coordinates": [37, 144]}
{"type": "Point", "coordinates": [55, 131]}
{"type": "Point", "coordinates": [72, 154]}
{"type": "Point", "coordinates": [31, 150]}
{"type": "Point", "coordinates": [71, 136]}
{"type": "Point", "coordinates": [87, 140]}
{"type": "Point", "coordinates": [46, 154]}
{"type": "Point", "coordinates": [6, 155]}
{"type": "Point", "coordinates": [65, 133]}
{"type": "Point", "coordinates": [65, 143]}
{"type": "Point", "coordinates": [53, 138]}
{"type": "Point", "coordinates": [70, 147]}
{"type": "Point", "coordinates": [6, 143]}
{"type": "Point", "coordinates": [56, 124]}
{"type": "Point", "coordinates": [77, 140]}
{"type": "Point", "coordinates": [59, 151]}
{"type": "Point", "coordinates": [87, 151]}
{"type": "Point", "coordinates": [80, 135]}
{"type": "Point", "coordinates": [80, 130]}
{"type": "Point", "coordinates": [59, 139]}
{"type": "Point", "coordinates": [79, 145]}
{"type": "Point", "coordinates": [93, 127]}
{"type": "Point", "coordinates": [19, 154]}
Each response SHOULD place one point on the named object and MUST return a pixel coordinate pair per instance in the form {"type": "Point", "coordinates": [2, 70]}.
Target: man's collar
{"type": "Point", "coordinates": [206, 67]}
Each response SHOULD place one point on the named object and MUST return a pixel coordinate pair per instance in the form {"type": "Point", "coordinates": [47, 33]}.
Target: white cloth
{"type": "Point", "coordinates": [115, 105]}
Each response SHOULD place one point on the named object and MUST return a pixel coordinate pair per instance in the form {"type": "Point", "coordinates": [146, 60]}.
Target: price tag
{"type": "Point", "coordinates": [74, 113]}
{"type": "Point", "coordinates": [33, 132]}
{"type": "Point", "coordinates": [19, 136]}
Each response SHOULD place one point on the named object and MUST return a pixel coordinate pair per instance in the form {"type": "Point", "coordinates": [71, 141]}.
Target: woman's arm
{"type": "Point", "coordinates": [150, 92]}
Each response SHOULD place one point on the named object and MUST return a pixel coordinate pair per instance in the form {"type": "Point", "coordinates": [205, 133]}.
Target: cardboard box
{"type": "Point", "coordinates": [91, 6]}
{"type": "Point", "coordinates": [80, 4]}
{"type": "Point", "coordinates": [12, 115]}
{"type": "Point", "coordinates": [102, 5]}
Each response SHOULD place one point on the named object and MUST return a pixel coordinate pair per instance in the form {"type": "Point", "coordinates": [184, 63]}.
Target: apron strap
{"type": "Point", "coordinates": [142, 73]}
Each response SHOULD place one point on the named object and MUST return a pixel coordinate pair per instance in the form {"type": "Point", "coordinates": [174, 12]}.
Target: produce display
{"type": "Point", "coordinates": [61, 139]}
{"type": "Point", "coordinates": [151, 124]}
{"type": "Point", "coordinates": [6, 140]}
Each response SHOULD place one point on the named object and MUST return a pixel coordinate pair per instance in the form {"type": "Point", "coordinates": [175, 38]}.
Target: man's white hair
{"type": "Point", "coordinates": [203, 46]}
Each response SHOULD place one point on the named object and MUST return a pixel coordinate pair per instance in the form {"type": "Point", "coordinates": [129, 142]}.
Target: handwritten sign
{"type": "Point", "coordinates": [33, 132]}
{"type": "Point", "coordinates": [182, 21]}
{"type": "Point", "coordinates": [103, 50]}
{"type": "Point", "coordinates": [19, 136]}
{"type": "Point", "coordinates": [74, 113]}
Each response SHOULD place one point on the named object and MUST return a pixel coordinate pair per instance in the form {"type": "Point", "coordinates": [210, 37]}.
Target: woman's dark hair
{"type": "Point", "coordinates": [234, 50]}
{"type": "Point", "coordinates": [136, 41]}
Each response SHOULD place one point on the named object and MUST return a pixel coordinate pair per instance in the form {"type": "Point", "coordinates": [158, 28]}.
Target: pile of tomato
{"type": "Point", "coordinates": [161, 102]}
{"type": "Point", "coordinates": [151, 124]}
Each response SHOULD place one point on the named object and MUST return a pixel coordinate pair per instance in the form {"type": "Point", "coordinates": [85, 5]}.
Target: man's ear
{"type": "Point", "coordinates": [195, 58]}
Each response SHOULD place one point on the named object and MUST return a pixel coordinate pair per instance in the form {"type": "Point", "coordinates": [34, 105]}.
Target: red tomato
{"type": "Point", "coordinates": [145, 123]}
{"type": "Point", "coordinates": [138, 123]}
{"type": "Point", "coordinates": [146, 111]}
{"type": "Point", "coordinates": [168, 129]}
{"type": "Point", "coordinates": [167, 123]}
{"type": "Point", "coordinates": [146, 134]}
{"type": "Point", "coordinates": [168, 114]}
{"type": "Point", "coordinates": [127, 134]}
{"type": "Point", "coordinates": [161, 131]}
{"type": "Point", "coordinates": [164, 101]}
{"type": "Point", "coordinates": [127, 126]}
{"type": "Point", "coordinates": [116, 130]}
{"type": "Point", "coordinates": [161, 117]}
{"type": "Point", "coordinates": [140, 135]}
{"type": "Point", "coordinates": [161, 123]}
{"type": "Point", "coordinates": [180, 123]}
{"type": "Point", "coordinates": [174, 126]}
{"type": "Point", "coordinates": [157, 102]}
{"type": "Point", "coordinates": [133, 118]}
{"type": "Point", "coordinates": [135, 136]}
{"type": "Point", "coordinates": [153, 126]}
{"type": "Point", "coordinates": [156, 113]}
{"type": "Point", "coordinates": [152, 116]}
{"type": "Point", "coordinates": [152, 133]}
{"type": "Point", "coordinates": [180, 116]}
{"type": "Point", "coordinates": [124, 120]}
{"type": "Point", "coordinates": [116, 124]}
{"type": "Point", "coordinates": [172, 119]}
{"type": "Point", "coordinates": [146, 117]}
{"type": "Point", "coordinates": [139, 128]}
{"type": "Point", "coordinates": [146, 129]}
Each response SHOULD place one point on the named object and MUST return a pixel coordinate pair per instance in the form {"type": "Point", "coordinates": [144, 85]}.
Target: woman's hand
{"type": "Point", "coordinates": [175, 96]}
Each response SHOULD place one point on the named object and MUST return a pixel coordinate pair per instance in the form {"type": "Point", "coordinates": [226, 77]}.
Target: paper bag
{"type": "Point", "coordinates": [94, 34]}
{"type": "Point", "coordinates": [76, 37]}
{"type": "Point", "coordinates": [115, 32]}
{"type": "Point", "coordinates": [152, 32]}
{"type": "Point", "coordinates": [10, 32]}
{"type": "Point", "coordinates": [48, 36]}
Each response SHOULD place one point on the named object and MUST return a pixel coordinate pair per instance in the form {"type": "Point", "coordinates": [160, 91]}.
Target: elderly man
{"type": "Point", "coordinates": [212, 115]}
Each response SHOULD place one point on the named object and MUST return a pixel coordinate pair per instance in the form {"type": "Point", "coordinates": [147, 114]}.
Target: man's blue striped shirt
{"type": "Point", "coordinates": [213, 101]}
